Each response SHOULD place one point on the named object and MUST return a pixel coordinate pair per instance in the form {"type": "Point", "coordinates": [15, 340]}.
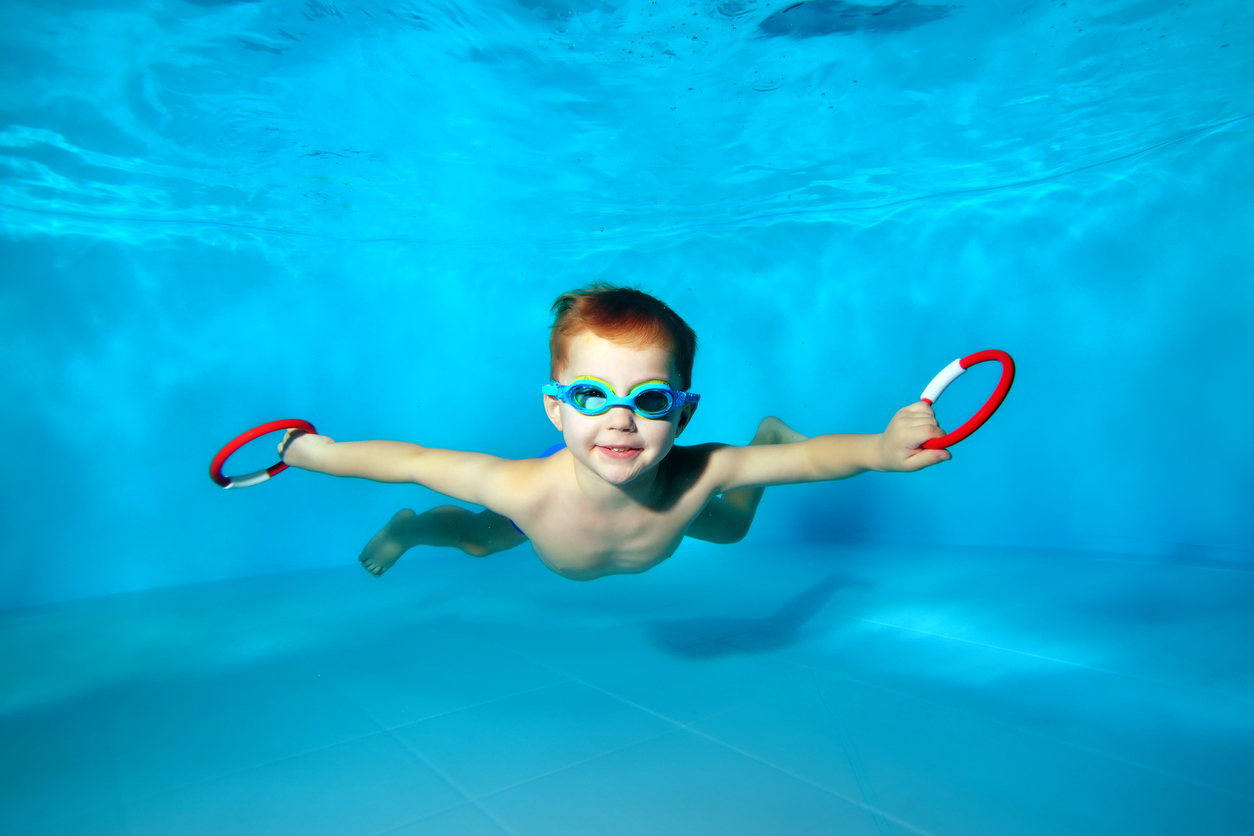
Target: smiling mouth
{"type": "Point", "coordinates": [619, 452]}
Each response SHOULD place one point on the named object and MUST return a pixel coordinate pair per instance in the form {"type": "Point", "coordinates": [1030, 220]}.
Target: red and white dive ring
{"type": "Point", "coordinates": [949, 374]}
{"type": "Point", "coordinates": [215, 467]}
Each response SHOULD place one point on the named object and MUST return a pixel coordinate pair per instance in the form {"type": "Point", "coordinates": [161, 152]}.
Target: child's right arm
{"type": "Point", "coordinates": [472, 477]}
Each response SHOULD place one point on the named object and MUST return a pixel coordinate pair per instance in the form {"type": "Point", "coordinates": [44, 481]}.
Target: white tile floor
{"type": "Point", "coordinates": [735, 690]}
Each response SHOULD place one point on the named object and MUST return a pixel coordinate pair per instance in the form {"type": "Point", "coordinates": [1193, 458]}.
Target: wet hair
{"type": "Point", "coordinates": [625, 316]}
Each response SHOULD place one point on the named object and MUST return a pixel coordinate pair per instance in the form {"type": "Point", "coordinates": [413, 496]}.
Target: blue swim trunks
{"type": "Point", "coordinates": [561, 445]}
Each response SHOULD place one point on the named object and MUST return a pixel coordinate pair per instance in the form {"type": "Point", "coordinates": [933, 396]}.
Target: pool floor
{"type": "Point", "coordinates": [751, 689]}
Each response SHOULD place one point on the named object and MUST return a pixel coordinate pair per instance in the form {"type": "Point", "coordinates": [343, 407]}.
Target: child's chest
{"type": "Point", "coordinates": [583, 543]}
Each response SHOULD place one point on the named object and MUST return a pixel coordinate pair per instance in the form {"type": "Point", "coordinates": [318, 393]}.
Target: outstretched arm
{"type": "Point", "coordinates": [836, 456]}
{"type": "Point", "coordinates": [380, 461]}
{"type": "Point", "coordinates": [472, 477]}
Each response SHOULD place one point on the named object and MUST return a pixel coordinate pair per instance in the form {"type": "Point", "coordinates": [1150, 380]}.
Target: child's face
{"type": "Point", "coordinates": [618, 445]}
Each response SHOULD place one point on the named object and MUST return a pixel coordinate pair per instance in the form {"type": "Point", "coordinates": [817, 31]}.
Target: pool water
{"type": "Point", "coordinates": [215, 214]}
{"type": "Point", "coordinates": [743, 689]}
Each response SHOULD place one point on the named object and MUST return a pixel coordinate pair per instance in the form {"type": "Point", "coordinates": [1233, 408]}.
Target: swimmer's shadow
{"type": "Point", "coordinates": [705, 638]}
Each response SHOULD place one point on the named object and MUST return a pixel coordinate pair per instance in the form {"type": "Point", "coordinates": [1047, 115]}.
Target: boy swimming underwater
{"type": "Point", "coordinates": [621, 496]}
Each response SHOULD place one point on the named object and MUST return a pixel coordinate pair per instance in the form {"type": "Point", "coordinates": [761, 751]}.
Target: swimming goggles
{"type": "Point", "coordinates": [593, 396]}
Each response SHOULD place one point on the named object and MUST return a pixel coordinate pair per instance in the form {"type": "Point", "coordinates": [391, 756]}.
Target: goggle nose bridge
{"type": "Point", "coordinates": [610, 400]}
{"type": "Point", "coordinates": [567, 393]}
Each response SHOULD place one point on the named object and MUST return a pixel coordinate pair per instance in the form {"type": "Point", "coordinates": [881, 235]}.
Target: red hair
{"type": "Point", "coordinates": [625, 316]}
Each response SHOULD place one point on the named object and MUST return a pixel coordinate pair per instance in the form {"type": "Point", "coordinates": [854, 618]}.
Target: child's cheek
{"type": "Point", "coordinates": [585, 429]}
{"type": "Point", "coordinates": [661, 433]}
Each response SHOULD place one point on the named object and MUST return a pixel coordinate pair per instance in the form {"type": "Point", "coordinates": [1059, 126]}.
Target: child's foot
{"type": "Point", "coordinates": [385, 548]}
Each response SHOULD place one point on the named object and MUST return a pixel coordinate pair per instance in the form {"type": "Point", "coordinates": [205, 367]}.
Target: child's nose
{"type": "Point", "coordinates": [622, 416]}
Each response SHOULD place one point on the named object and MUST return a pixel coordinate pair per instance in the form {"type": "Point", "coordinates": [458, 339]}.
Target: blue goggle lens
{"type": "Point", "coordinates": [654, 401]}
{"type": "Point", "coordinates": [591, 398]}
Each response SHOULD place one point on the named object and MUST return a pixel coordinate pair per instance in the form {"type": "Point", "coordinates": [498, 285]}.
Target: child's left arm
{"type": "Point", "coordinates": [828, 457]}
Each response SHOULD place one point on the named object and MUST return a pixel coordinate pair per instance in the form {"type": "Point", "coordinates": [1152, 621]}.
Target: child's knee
{"type": "Point", "coordinates": [480, 535]}
{"type": "Point", "coordinates": [474, 548]}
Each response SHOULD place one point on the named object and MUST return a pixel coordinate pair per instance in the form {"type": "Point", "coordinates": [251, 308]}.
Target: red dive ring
{"type": "Point", "coordinates": [215, 467]}
{"type": "Point", "coordinates": [949, 374]}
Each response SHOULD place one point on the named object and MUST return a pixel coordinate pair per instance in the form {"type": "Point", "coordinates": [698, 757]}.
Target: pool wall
{"type": "Point", "coordinates": [145, 323]}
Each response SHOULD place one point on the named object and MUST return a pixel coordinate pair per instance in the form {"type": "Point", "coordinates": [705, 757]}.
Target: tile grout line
{"type": "Point", "coordinates": [388, 730]}
{"type": "Point", "coordinates": [1162, 682]}
{"type": "Point", "coordinates": [875, 812]}
{"type": "Point", "coordinates": [439, 714]}
{"type": "Point", "coordinates": [598, 756]}
{"type": "Point", "coordinates": [851, 754]}
{"type": "Point", "coordinates": [742, 752]}
{"type": "Point", "coordinates": [380, 728]}
{"type": "Point", "coordinates": [573, 764]}
{"type": "Point", "coordinates": [1033, 732]}
{"type": "Point", "coordinates": [428, 817]}
{"type": "Point", "coordinates": [502, 826]}
{"type": "Point", "coordinates": [998, 647]}
{"type": "Point", "coordinates": [391, 732]}
{"type": "Point", "coordinates": [233, 772]}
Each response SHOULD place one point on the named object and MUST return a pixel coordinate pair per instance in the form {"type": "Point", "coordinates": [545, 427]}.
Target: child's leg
{"type": "Point", "coordinates": [447, 525]}
{"type": "Point", "coordinates": [727, 519]}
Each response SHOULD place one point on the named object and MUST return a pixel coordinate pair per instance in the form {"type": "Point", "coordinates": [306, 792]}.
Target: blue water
{"type": "Point", "coordinates": [217, 214]}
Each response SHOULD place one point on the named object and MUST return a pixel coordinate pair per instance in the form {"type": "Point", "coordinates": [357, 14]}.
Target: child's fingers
{"type": "Point", "coordinates": [928, 424]}
{"type": "Point", "coordinates": [919, 433]}
{"type": "Point", "coordinates": [921, 408]}
{"type": "Point", "coordinates": [917, 415]}
{"type": "Point", "coordinates": [288, 437]}
{"type": "Point", "coordinates": [927, 458]}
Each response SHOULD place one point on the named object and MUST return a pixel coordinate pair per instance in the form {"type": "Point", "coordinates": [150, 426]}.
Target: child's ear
{"type": "Point", "coordinates": [685, 415]}
{"type": "Point", "coordinates": [553, 408]}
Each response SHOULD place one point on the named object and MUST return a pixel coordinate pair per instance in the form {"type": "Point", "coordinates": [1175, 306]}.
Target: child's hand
{"type": "Point", "coordinates": [298, 448]}
{"type": "Point", "coordinates": [900, 442]}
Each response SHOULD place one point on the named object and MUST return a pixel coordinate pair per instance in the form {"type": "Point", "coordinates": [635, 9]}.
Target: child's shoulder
{"type": "Point", "coordinates": [516, 487]}
{"type": "Point", "coordinates": [702, 452]}
{"type": "Point", "coordinates": [697, 461]}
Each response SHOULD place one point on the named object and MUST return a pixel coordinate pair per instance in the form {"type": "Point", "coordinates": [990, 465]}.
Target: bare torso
{"type": "Point", "coordinates": [583, 540]}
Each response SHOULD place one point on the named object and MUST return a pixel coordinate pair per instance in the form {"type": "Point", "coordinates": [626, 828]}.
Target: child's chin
{"type": "Point", "coordinates": [620, 472]}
